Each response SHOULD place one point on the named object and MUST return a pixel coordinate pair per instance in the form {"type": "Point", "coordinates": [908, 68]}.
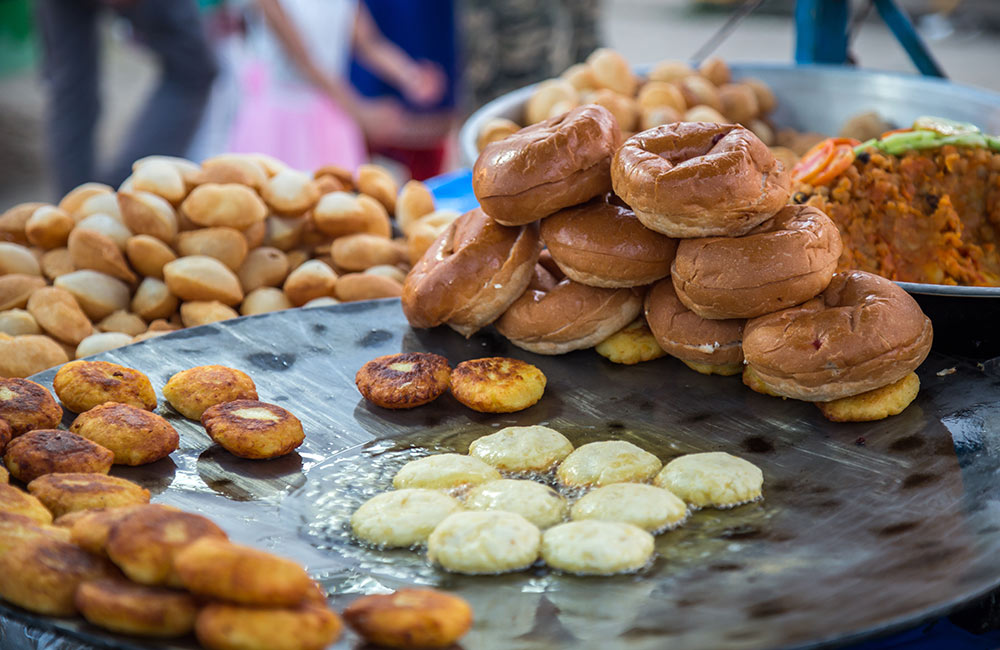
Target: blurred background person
{"type": "Point", "coordinates": [424, 33]}
{"type": "Point", "coordinates": [297, 103]}
{"type": "Point", "coordinates": [172, 30]}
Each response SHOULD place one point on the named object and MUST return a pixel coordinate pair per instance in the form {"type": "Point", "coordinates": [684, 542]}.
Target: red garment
{"type": "Point", "coordinates": [422, 163]}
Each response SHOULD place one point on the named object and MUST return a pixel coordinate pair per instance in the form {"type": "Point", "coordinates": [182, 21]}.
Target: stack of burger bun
{"type": "Point", "coordinates": [688, 223]}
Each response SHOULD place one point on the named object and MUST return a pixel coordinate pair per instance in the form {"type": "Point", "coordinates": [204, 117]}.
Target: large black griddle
{"type": "Point", "coordinates": [864, 529]}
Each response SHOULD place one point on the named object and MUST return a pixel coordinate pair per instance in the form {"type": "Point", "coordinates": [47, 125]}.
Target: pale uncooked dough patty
{"type": "Point", "coordinates": [443, 471]}
{"type": "Point", "coordinates": [712, 480]}
{"type": "Point", "coordinates": [596, 547]}
{"type": "Point", "coordinates": [603, 463]}
{"type": "Point", "coordinates": [522, 449]}
{"type": "Point", "coordinates": [402, 517]}
{"type": "Point", "coordinates": [646, 506]}
{"type": "Point", "coordinates": [538, 503]}
{"type": "Point", "coordinates": [484, 542]}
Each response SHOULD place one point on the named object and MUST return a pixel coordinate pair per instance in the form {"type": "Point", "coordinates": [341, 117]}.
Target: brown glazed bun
{"type": "Point", "coordinates": [548, 166]}
{"type": "Point", "coordinates": [691, 338]}
{"type": "Point", "coordinates": [602, 244]}
{"type": "Point", "coordinates": [569, 316]}
{"type": "Point", "coordinates": [862, 333]}
{"type": "Point", "coordinates": [698, 179]}
{"type": "Point", "coordinates": [471, 273]}
{"type": "Point", "coordinates": [783, 262]}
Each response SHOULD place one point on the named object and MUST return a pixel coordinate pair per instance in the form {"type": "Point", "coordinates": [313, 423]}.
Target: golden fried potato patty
{"type": "Point", "coordinates": [403, 381]}
{"type": "Point", "coordinates": [18, 530]}
{"type": "Point", "coordinates": [143, 544]}
{"type": "Point", "coordinates": [4, 474]}
{"type": "Point", "coordinates": [26, 405]}
{"type": "Point", "coordinates": [410, 618]}
{"type": "Point", "coordinates": [43, 576]}
{"type": "Point", "coordinates": [82, 385]}
{"type": "Point", "coordinates": [633, 344]}
{"type": "Point", "coordinates": [5, 436]}
{"type": "Point", "coordinates": [122, 606]}
{"type": "Point", "coordinates": [194, 390]}
{"type": "Point", "coordinates": [69, 492]}
{"type": "Point", "coordinates": [238, 574]}
{"type": "Point", "coordinates": [875, 404]}
{"type": "Point", "coordinates": [135, 436]}
{"type": "Point", "coordinates": [48, 451]}
{"type": "Point", "coordinates": [251, 429]}
{"type": "Point", "coordinates": [497, 384]}
{"type": "Point", "coordinates": [91, 529]}
{"type": "Point", "coordinates": [19, 502]}
{"type": "Point", "coordinates": [309, 626]}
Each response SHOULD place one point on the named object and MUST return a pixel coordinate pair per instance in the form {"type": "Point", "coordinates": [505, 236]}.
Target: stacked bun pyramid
{"type": "Point", "coordinates": [578, 234]}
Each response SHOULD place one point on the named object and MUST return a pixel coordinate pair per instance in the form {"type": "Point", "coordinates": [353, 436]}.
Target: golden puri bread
{"type": "Point", "coordinates": [26, 405]}
{"type": "Point", "coordinates": [863, 332]}
{"type": "Point", "coordinates": [309, 626]}
{"type": "Point", "coordinates": [144, 542]}
{"type": "Point", "coordinates": [497, 384]}
{"type": "Point", "coordinates": [875, 404]}
{"type": "Point", "coordinates": [405, 380]}
{"type": "Point", "coordinates": [43, 576]}
{"type": "Point", "coordinates": [251, 429]}
{"type": "Point", "coordinates": [220, 570]}
{"type": "Point", "coordinates": [471, 274]}
{"type": "Point", "coordinates": [602, 244]}
{"type": "Point", "coordinates": [71, 492]}
{"type": "Point", "coordinates": [569, 316]}
{"type": "Point", "coordinates": [48, 451]}
{"type": "Point", "coordinates": [19, 502]}
{"type": "Point", "coordinates": [122, 606]}
{"type": "Point", "coordinates": [697, 179]}
{"type": "Point", "coordinates": [410, 618]}
{"type": "Point", "coordinates": [194, 390]}
{"type": "Point", "coordinates": [548, 166]}
{"type": "Point", "coordinates": [781, 263]}
{"type": "Point", "coordinates": [712, 345]}
{"type": "Point", "coordinates": [135, 436]}
{"type": "Point", "coordinates": [18, 530]}
{"type": "Point", "coordinates": [90, 528]}
{"type": "Point", "coordinates": [82, 385]}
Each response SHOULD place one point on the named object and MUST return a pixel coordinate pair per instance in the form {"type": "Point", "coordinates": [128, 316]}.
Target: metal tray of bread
{"type": "Point", "coordinates": [864, 528]}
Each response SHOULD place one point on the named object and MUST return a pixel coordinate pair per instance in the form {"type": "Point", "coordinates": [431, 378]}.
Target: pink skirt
{"type": "Point", "coordinates": [296, 124]}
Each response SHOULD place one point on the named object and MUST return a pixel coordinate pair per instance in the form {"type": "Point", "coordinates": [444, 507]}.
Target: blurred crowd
{"type": "Point", "coordinates": [311, 82]}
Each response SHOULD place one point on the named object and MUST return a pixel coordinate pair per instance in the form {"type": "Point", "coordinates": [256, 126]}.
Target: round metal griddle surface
{"type": "Point", "coordinates": [864, 528]}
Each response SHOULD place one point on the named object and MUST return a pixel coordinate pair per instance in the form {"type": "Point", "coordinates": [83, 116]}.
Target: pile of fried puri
{"type": "Point", "coordinates": [79, 541]}
{"type": "Point", "coordinates": [181, 244]}
{"type": "Point", "coordinates": [578, 234]}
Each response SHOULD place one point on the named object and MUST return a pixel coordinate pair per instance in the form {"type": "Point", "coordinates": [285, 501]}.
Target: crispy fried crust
{"type": "Point", "coordinates": [497, 384]}
{"type": "Point", "coordinates": [82, 385]}
{"type": "Point", "coordinates": [633, 344]}
{"type": "Point", "coordinates": [721, 369]}
{"type": "Point", "coordinates": [5, 436]}
{"type": "Point", "coordinates": [91, 530]}
{"type": "Point", "coordinates": [251, 429]}
{"type": "Point", "coordinates": [239, 574]}
{"type": "Point", "coordinates": [18, 502]}
{"type": "Point", "coordinates": [48, 451]}
{"type": "Point", "coordinates": [309, 626]}
{"type": "Point", "coordinates": [134, 435]}
{"type": "Point", "coordinates": [26, 405]}
{"type": "Point", "coordinates": [410, 618]}
{"type": "Point", "coordinates": [403, 381]}
{"type": "Point", "coordinates": [874, 405]}
{"type": "Point", "coordinates": [122, 606]}
{"type": "Point", "coordinates": [42, 577]}
{"type": "Point", "coordinates": [194, 390]}
{"type": "Point", "coordinates": [4, 474]}
{"type": "Point", "coordinates": [144, 543]}
{"type": "Point", "coordinates": [18, 530]}
{"type": "Point", "coordinates": [69, 492]}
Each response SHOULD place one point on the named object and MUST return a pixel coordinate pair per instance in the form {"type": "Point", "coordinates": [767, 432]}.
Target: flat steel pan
{"type": "Point", "coordinates": [864, 529]}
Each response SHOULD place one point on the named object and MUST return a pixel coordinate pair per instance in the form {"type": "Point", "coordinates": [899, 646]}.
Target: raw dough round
{"type": "Point", "coordinates": [596, 547]}
{"type": "Point", "coordinates": [538, 503]}
{"type": "Point", "coordinates": [522, 449]}
{"type": "Point", "coordinates": [646, 506]}
{"type": "Point", "coordinates": [443, 471]}
{"type": "Point", "coordinates": [484, 542]}
{"type": "Point", "coordinates": [403, 517]}
{"type": "Point", "coordinates": [712, 480]}
{"type": "Point", "coordinates": [603, 463]}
